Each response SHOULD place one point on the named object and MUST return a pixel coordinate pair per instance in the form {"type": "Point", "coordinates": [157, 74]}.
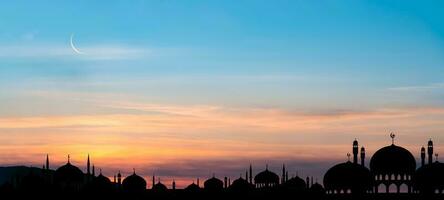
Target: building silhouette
{"type": "Point", "coordinates": [392, 170]}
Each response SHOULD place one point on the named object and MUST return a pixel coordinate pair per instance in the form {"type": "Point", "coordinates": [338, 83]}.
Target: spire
{"type": "Point", "coordinates": [251, 174]}
{"type": "Point", "coordinates": [94, 171]}
{"type": "Point", "coordinates": [134, 170]}
{"type": "Point", "coordinates": [154, 179]}
{"type": "Point", "coordinates": [198, 182]}
{"type": "Point", "coordinates": [88, 164]}
{"type": "Point", "coordinates": [283, 174]}
{"type": "Point", "coordinates": [47, 162]}
{"type": "Point", "coordinates": [392, 135]}
{"type": "Point", "coordinates": [69, 162]}
{"type": "Point", "coordinates": [246, 175]}
{"type": "Point", "coordinates": [174, 184]}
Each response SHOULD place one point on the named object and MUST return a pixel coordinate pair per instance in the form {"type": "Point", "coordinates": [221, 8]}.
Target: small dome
{"type": "Point", "coordinates": [429, 177]}
{"type": "Point", "coordinates": [267, 177]}
{"type": "Point", "coordinates": [192, 188]}
{"type": "Point", "coordinates": [213, 184]}
{"type": "Point", "coordinates": [159, 187]}
{"type": "Point", "coordinates": [392, 160]}
{"type": "Point", "coordinates": [101, 183]}
{"type": "Point", "coordinates": [68, 174]}
{"type": "Point", "coordinates": [348, 176]}
{"type": "Point", "coordinates": [134, 183]}
{"type": "Point", "coordinates": [317, 188]}
{"type": "Point", "coordinates": [295, 183]}
{"type": "Point", "coordinates": [241, 185]}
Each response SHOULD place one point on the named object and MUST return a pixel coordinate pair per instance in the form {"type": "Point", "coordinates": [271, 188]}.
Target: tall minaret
{"type": "Point", "coordinates": [355, 151]}
{"type": "Point", "coordinates": [88, 166]}
{"type": "Point", "coordinates": [154, 179]}
{"type": "Point", "coordinates": [283, 174]}
{"type": "Point", "coordinates": [174, 184]}
{"type": "Point", "coordinates": [251, 174]}
{"type": "Point", "coordinates": [94, 171]}
{"type": "Point", "coordinates": [362, 156]}
{"type": "Point", "coordinates": [307, 180]}
{"type": "Point", "coordinates": [119, 178]}
{"type": "Point", "coordinates": [423, 156]}
{"type": "Point", "coordinates": [47, 162]}
{"type": "Point", "coordinates": [430, 151]}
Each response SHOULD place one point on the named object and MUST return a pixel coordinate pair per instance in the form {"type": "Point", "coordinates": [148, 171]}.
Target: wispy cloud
{"type": "Point", "coordinates": [92, 52]}
{"type": "Point", "coordinates": [418, 88]}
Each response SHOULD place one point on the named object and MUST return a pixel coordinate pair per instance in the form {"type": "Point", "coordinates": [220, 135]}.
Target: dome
{"type": "Point", "coordinates": [213, 184]}
{"type": "Point", "coordinates": [192, 188]}
{"type": "Point", "coordinates": [392, 160]}
{"type": "Point", "coordinates": [429, 177]}
{"type": "Point", "coordinates": [68, 174]}
{"type": "Point", "coordinates": [134, 183]}
{"type": "Point", "coordinates": [348, 176]}
{"type": "Point", "coordinates": [295, 183]}
{"type": "Point", "coordinates": [241, 185]}
{"type": "Point", "coordinates": [101, 183]}
{"type": "Point", "coordinates": [317, 188]}
{"type": "Point", "coordinates": [159, 187]}
{"type": "Point", "coordinates": [266, 177]}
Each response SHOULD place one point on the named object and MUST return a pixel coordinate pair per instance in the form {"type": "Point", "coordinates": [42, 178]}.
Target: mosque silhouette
{"type": "Point", "coordinates": [392, 174]}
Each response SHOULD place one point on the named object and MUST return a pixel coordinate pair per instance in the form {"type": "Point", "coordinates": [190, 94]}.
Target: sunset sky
{"type": "Point", "coordinates": [185, 89]}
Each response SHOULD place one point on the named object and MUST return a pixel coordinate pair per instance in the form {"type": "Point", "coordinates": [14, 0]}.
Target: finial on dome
{"type": "Point", "coordinates": [392, 135]}
{"type": "Point", "coordinates": [69, 159]}
{"type": "Point", "coordinates": [134, 170]}
{"type": "Point", "coordinates": [348, 155]}
{"type": "Point", "coordinates": [436, 157]}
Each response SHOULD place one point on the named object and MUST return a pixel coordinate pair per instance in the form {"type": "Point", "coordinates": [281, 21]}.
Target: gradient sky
{"type": "Point", "coordinates": [186, 88]}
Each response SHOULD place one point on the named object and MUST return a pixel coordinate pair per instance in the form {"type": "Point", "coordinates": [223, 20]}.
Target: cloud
{"type": "Point", "coordinates": [92, 52]}
{"type": "Point", "coordinates": [418, 88]}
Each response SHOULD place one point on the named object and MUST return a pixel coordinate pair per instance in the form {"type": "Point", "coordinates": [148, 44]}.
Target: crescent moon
{"type": "Point", "coordinates": [74, 47]}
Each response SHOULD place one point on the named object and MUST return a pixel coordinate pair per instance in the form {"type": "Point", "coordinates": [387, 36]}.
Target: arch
{"type": "Point", "coordinates": [381, 188]}
{"type": "Point", "coordinates": [392, 188]}
{"type": "Point", "coordinates": [392, 177]}
{"type": "Point", "coordinates": [386, 177]}
{"type": "Point", "coordinates": [403, 188]}
{"type": "Point", "coordinates": [398, 177]}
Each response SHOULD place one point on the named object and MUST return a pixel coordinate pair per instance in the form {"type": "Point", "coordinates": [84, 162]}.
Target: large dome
{"type": "Point", "coordinates": [266, 177]}
{"type": "Point", "coordinates": [348, 177]}
{"type": "Point", "coordinates": [429, 177]}
{"type": "Point", "coordinates": [295, 183]}
{"type": "Point", "coordinates": [213, 184]}
{"type": "Point", "coordinates": [68, 174]}
{"type": "Point", "coordinates": [392, 160]}
{"type": "Point", "coordinates": [241, 185]}
{"type": "Point", "coordinates": [134, 183]}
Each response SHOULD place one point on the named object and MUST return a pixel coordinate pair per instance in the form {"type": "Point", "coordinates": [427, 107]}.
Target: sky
{"type": "Point", "coordinates": [185, 89]}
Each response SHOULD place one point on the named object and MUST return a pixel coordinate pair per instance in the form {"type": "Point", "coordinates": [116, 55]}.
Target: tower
{"type": "Point", "coordinates": [283, 174]}
{"type": "Point", "coordinates": [154, 180]}
{"type": "Point", "coordinates": [355, 152]}
{"type": "Point", "coordinates": [362, 156]}
{"type": "Point", "coordinates": [307, 181]}
{"type": "Point", "coordinates": [225, 182]}
{"type": "Point", "coordinates": [94, 171]}
{"type": "Point", "coordinates": [88, 166]}
{"type": "Point", "coordinates": [246, 175]}
{"type": "Point", "coordinates": [174, 184]}
{"type": "Point", "coordinates": [423, 155]}
{"type": "Point", "coordinates": [251, 174]}
{"type": "Point", "coordinates": [430, 151]}
{"type": "Point", "coordinates": [119, 178]}
{"type": "Point", "coordinates": [47, 162]}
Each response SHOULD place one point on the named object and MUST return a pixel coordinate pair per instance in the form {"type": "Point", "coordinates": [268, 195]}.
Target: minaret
{"type": "Point", "coordinates": [251, 174]}
{"type": "Point", "coordinates": [286, 176]}
{"type": "Point", "coordinates": [198, 182]}
{"type": "Point", "coordinates": [47, 162]}
{"type": "Point", "coordinates": [430, 151]}
{"type": "Point", "coordinates": [283, 174]}
{"type": "Point", "coordinates": [246, 175]}
{"type": "Point", "coordinates": [307, 181]}
{"type": "Point", "coordinates": [362, 156]}
{"type": "Point", "coordinates": [88, 166]}
{"type": "Point", "coordinates": [225, 182]}
{"type": "Point", "coordinates": [174, 185]}
{"type": "Point", "coordinates": [423, 155]}
{"type": "Point", "coordinates": [355, 152]}
{"type": "Point", "coordinates": [94, 171]}
{"type": "Point", "coordinates": [119, 178]}
{"type": "Point", "coordinates": [154, 180]}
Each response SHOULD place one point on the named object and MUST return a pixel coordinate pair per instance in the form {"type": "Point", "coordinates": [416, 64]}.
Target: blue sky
{"type": "Point", "coordinates": [306, 57]}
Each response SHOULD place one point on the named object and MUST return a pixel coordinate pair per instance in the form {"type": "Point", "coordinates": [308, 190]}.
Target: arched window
{"type": "Point", "coordinates": [392, 188]}
{"type": "Point", "coordinates": [381, 188]}
{"type": "Point", "coordinates": [392, 177]}
{"type": "Point", "coordinates": [403, 188]}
